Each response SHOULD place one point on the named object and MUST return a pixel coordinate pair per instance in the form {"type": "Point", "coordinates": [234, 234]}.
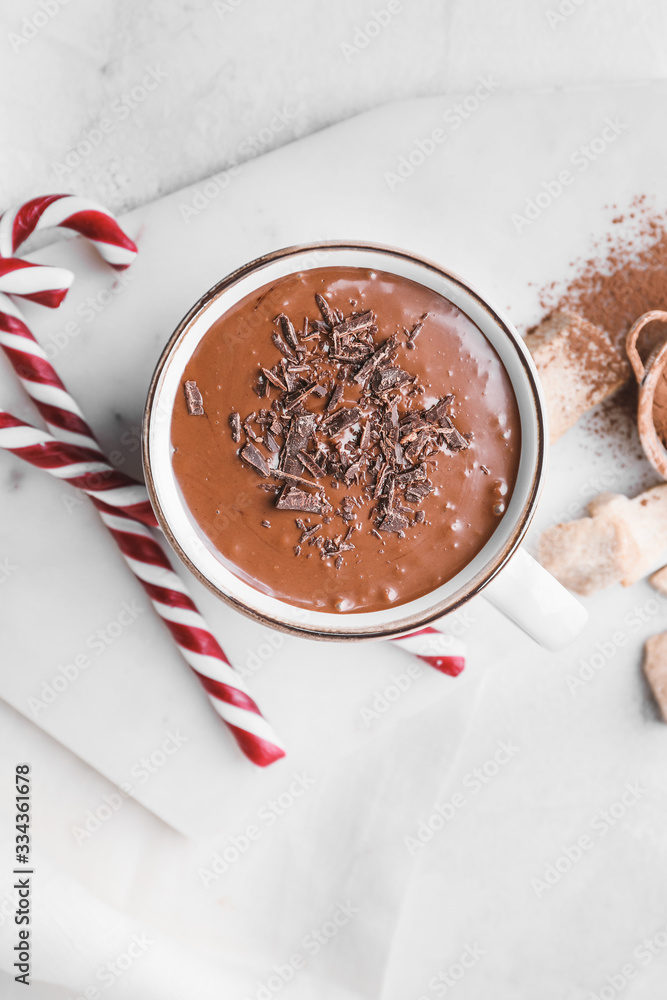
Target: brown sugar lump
{"type": "Point", "coordinates": [655, 669]}
{"type": "Point", "coordinates": [588, 554]}
{"type": "Point", "coordinates": [658, 580]}
{"type": "Point", "coordinates": [645, 519]}
{"type": "Point", "coordinates": [643, 524]}
{"type": "Point", "coordinates": [617, 543]}
{"type": "Point", "coordinates": [578, 367]}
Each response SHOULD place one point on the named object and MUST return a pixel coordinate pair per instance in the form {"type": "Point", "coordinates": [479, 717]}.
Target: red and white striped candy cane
{"type": "Point", "coordinates": [199, 648]}
{"type": "Point", "coordinates": [67, 211]}
{"type": "Point", "coordinates": [80, 461]}
{"type": "Point", "coordinates": [49, 286]}
{"type": "Point", "coordinates": [168, 594]}
{"type": "Point", "coordinates": [42, 383]}
{"type": "Point", "coordinates": [84, 468]}
{"type": "Point", "coordinates": [39, 283]}
{"type": "Point", "coordinates": [439, 650]}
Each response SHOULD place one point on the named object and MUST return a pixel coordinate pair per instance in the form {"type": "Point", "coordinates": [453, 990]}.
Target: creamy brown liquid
{"type": "Point", "coordinates": [451, 355]}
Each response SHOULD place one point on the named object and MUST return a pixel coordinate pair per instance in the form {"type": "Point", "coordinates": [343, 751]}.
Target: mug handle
{"type": "Point", "coordinates": [534, 600]}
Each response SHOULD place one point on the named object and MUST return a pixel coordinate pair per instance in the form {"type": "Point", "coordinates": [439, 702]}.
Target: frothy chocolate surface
{"type": "Point", "coordinates": [359, 440]}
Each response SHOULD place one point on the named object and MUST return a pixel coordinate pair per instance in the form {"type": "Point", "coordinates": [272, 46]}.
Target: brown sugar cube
{"type": "Point", "coordinates": [658, 580]}
{"type": "Point", "coordinates": [587, 554]}
{"type": "Point", "coordinates": [617, 543]}
{"type": "Point", "coordinates": [642, 522]}
{"type": "Point", "coordinates": [602, 500]}
{"type": "Point", "coordinates": [645, 520]}
{"type": "Point", "coordinates": [578, 367]}
{"type": "Point", "coordinates": [655, 669]}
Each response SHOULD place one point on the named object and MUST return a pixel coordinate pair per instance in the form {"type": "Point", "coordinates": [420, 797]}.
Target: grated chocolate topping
{"type": "Point", "coordinates": [358, 437]}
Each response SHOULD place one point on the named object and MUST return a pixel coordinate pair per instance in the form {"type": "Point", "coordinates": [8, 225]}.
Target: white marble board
{"type": "Point", "coordinates": [456, 207]}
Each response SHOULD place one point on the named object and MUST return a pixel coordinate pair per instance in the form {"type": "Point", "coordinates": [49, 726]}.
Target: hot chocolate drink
{"type": "Point", "coordinates": [347, 440]}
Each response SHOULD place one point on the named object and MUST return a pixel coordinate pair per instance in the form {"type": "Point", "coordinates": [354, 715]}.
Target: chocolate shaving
{"type": "Point", "coordinates": [270, 442]}
{"type": "Point", "coordinates": [293, 498]}
{"type": "Point", "coordinates": [295, 480]}
{"type": "Point", "coordinates": [276, 426]}
{"type": "Point", "coordinates": [412, 422]}
{"type": "Point", "coordinates": [355, 324]}
{"type": "Point", "coordinates": [352, 353]}
{"type": "Point", "coordinates": [235, 424]}
{"type": "Point", "coordinates": [419, 444]}
{"type": "Point", "coordinates": [334, 398]}
{"type": "Point", "coordinates": [193, 399]}
{"type": "Point", "coordinates": [437, 415]}
{"type": "Point", "coordinates": [415, 331]}
{"type": "Point", "coordinates": [309, 532]}
{"type": "Point", "coordinates": [283, 348]}
{"type": "Point", "coordinates": [393, 522]}
{"type": "Point", "coordinates": [414, 475]}
{"type": "Point", "coordinates": [249, 430]}
{"type": "Point", "coordinates": [381, 480]}
{"type": "Point", "coordinates": [352, 472]}
{"type": "Point", "coordinates": [272, 377]}
{"type": "Point", "coordinates": [453, 439]}
{"type": "Point", "coordinates": [289, 333]}
{"type": "Point", "coordinates": [292, 399]}
{"type": "Point", "coordinates": [328, 315]}
{"type": "Point", "coordinates": [365, 440]}
{"type": "Point", "coordinates": [386, 499]}
{"type": "Point", "coordinates": [418, 491]}
{"type": "Point", "coordinates": [339, 420]}
{"type": "Point", "coordinates": [389, 378]}
{"type": "Point", "coordinates": [253, 456]}
{"type": "Point", "coordinates": [376, 359]}
{"type": "Point", "coordinates": [298, 436]}
{"type": "Point", "coordinates": [309, 462]}
{"type": "Point", "coordinates": [335, 546]}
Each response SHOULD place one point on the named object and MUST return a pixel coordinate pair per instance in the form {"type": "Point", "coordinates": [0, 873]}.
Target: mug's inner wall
{"type": "Point", "coordinates": [185, 534]}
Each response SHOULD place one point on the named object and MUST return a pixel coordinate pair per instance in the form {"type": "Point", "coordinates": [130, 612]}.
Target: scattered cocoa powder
{"type": "Point", "coordinates": [617, 417]}
{"type": "Point", "coordinates": [624, 276]}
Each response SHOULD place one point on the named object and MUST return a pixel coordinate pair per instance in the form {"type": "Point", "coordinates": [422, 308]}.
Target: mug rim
{"type": "Point", "coordinates": [419, 620]}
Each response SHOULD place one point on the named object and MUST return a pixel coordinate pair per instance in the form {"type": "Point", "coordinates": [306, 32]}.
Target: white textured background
{"type": "Point", "coordinates": [229, 66]}
{"type": "Point", "coordinates": [227, 70]}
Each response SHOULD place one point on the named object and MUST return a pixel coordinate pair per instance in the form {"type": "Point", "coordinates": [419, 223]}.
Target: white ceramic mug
{"type": "Point", "coordinates": [511, 579]}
